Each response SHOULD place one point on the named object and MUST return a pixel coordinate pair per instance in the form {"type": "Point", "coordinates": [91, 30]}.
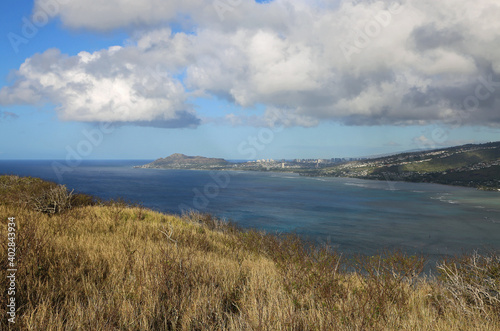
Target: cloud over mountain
{"type": "Point", "coordinates": [355, 62]}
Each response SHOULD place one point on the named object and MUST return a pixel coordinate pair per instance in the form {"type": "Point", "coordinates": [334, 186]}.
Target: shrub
{"type": "Point", "coordinates": [387, 279]}
{"type": "Point", "coordinates": [82, 200]}
{"type": "Point", "coordinates": [209, 221]}
{"type": "Point", "coordinates": [53, 200]}
{"type": "Point", "coordinates": [34, 194]}
{"type": "Point", "coordinates": [473, 282]}
{"type": "Point", "coordinates": [42, 196]}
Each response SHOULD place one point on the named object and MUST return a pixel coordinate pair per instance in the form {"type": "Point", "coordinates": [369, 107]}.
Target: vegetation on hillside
{"type": "Point", "coordinates": [93, 265]}
{"type": "Point", "coordinates": [181, 161]}
{"type": "Point", "coordinates": [469, 165]}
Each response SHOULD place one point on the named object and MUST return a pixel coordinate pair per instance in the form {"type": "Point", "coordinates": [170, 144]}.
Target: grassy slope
{"type": "Point", "coordinates": [103, 267]}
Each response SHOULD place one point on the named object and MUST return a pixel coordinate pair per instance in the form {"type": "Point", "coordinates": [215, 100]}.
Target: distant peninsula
{"type": "Point", "coordinates": [472, 165]}
{"type": "Point", "coordinates": [181, 161]}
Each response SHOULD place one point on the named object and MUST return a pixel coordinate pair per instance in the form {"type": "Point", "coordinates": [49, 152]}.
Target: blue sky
{"type": "Point", "coordinates": [299, 79]}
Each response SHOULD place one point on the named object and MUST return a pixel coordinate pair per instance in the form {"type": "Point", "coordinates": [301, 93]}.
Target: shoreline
{"type": "Point", "coordinates": [301, 174]}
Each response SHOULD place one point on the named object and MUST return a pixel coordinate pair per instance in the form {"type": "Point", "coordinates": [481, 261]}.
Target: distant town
{"type": "Point", "coordinates": [302, 163]}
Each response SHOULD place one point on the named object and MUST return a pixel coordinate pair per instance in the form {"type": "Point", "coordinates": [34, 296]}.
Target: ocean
{"type": "Point", "coordinates": [350, 215]}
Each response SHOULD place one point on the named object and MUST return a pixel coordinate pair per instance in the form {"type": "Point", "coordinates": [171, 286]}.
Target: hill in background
{"type": "Point", "coordinates": [181, 161]}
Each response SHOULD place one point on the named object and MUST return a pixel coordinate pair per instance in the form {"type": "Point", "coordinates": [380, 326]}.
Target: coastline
{"type": "Point", "coordinates": [301, 173]}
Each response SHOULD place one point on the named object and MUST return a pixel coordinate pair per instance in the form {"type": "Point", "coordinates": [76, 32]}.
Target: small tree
{"type": "Point", "coordinates": [53, 200]}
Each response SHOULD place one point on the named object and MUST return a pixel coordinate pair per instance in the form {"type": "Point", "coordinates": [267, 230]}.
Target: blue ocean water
{"type": "Point", "coordinates": [349, 214]}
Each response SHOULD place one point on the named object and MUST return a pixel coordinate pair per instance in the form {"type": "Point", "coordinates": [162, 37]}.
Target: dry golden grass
{"type": "Point", "coordinates": [112, 267]}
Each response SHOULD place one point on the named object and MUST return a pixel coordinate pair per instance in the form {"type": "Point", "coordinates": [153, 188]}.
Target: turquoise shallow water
{"type": "Point", "coordinates": [349, 214]}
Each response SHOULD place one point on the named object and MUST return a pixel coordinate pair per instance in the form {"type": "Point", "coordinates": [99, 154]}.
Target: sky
{"type": "Point", "coordinates": [241, 79]}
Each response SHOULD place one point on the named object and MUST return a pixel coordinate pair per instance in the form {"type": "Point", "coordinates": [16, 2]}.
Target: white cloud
{"type": "Point", "coordinates": [109, 85]}
{"type": "Point", "coordinates": [357, 62]}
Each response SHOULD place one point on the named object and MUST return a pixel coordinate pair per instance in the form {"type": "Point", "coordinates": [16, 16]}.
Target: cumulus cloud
{"type": "Point", "coordinates": [111, 85]}
{"type": "Point", "coordinates": [357, 62]}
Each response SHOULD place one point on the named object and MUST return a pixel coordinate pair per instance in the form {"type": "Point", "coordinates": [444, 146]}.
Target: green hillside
{"type": "Point", "coordinates": [469, 165]}
{"type": "Point", "coordinates": [454, 161]}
